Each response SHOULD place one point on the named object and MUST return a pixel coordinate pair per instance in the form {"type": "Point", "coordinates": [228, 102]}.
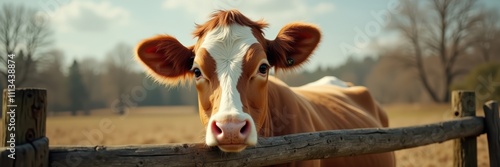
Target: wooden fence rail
{"type": "Point", "coordinates": [269, 151]}
{"type": "Point", "coordinates": [493, 131]}
{"type": "Point", "coordinates": [273, 150]}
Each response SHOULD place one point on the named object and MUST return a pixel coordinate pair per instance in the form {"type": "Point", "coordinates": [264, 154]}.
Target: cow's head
{"type": "Point", "coordinates": [230, 65]}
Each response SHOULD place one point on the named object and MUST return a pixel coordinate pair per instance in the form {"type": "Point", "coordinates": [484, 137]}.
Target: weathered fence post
{"type": "Point", "coordinates": [23, 133]}
{"type": "Point", "coordinates": [493, 131]}
{"type": "Point", "coordinates": [463, 104]}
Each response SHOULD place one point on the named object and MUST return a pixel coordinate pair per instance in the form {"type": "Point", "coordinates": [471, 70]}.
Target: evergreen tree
{"type": "Point", "coordinates": [77, 92]}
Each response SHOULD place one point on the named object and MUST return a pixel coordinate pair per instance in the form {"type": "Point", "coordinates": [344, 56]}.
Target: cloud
{"type": "Point", "coordinates": [276, 12]}
{"type": "Point", "coordinates": [285, 9]}
{"type": "Point", "coordinates": [89, 16]}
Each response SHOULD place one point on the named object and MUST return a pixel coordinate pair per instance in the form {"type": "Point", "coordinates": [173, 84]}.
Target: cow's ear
{"type": "Point", "coordinates": [293, 45]}
{"type": "Point", "coordinates": [166, 59]}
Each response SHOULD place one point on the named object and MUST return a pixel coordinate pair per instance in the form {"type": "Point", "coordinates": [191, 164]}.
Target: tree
{"type": "Point", "coordinates": [390, 81]}
{"type": "Point", "coordinates": [78, 95]}
{"type": "Point", "coordinates": [174, 96]}
{"type": "Point", "coordinates": [92, 76]}
{"type": "Point", "coordinates": [54, 80]}
{"type": "Point", "coordinates": [119, 62]}
{"type": "Point", "coordinates": [487, 36]}
{"type": "Point", "coordinates": [154, 96]}
{"type": "Point", "coordinates": [445, 31]}
{"type": "Point", "coordinates": [24, 34]}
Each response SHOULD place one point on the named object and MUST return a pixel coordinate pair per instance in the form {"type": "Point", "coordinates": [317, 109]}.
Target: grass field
{"type": "Point", "coordinates": [434, 155]}
{"type": "Point", "coordinates": [160, 125]}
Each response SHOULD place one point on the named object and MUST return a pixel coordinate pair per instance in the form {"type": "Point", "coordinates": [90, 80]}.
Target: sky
{"type": "Point", "coordinates": [92, 28]}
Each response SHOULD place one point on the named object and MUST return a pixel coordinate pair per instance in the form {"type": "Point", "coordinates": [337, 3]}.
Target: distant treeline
{"type": "Point", "coordinates": [439, 46]}
{"type": "Point", "coordinates": [83, 86]}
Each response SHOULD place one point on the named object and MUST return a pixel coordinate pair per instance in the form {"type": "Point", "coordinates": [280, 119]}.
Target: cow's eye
{"type": "Point", "coordinates": [197, 72]}
{"type": "Point", "coordinates": [263, 68]}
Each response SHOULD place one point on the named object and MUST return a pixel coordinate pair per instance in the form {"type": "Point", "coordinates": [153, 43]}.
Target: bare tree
{"type": "Point", "coordinates": [54, 79]}
{"type": "Point", "coordinates": [487, 35]}
{"type": "Point", "coordinates": [444, 29]}
{"type": "Point", "coordinates": [119, 64]}
{"type": "Point", "coordinates": [24, 34]}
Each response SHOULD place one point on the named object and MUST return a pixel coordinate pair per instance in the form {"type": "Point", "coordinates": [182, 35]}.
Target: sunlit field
{"type": "Point", "coordinates": [145, 125]}
{"type": "Point", "coordinates": [434, 155]}
{"type": "Point", "coordinates": [160, 125]}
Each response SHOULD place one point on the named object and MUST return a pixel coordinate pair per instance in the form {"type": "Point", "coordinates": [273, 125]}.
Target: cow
{"type": "Point", "coordinates": [240, 101]}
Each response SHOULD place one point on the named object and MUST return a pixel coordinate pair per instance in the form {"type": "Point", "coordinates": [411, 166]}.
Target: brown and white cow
{"type": "Point", "coordinates": [238, 99]}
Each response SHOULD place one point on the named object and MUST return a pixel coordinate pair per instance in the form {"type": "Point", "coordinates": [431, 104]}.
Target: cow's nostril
{"type": "Point", "coordinates": [231, 132]}
{"type": "Point", "coordinates": [216, 129]}
{"type": "Point", "coordinates": [245, 127]}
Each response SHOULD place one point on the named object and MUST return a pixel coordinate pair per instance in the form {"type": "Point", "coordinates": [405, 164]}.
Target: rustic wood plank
{"type": "Point", "coordinates": [492, 128]}
{"type": "Point", "coordinates": [6, 117]}
{"type": "Point", "coordinates": [25, 155]}
{"type": "Point", "coordinates": [273, 150]}
{"type": "Point", "coordinates": [31, 154]}
{"type": "Point", "coordinates": [41, 147]}
{"type": "Point", "coordinates": [24, 121]}
{"type": "Point", "coordinates": [463, 104]}
{"type": "Point", "coordinates": [30, 115]}
{"type": "Point", "coordinates": [4, 159]}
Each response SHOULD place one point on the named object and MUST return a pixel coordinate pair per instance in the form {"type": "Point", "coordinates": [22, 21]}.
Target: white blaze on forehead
{"type": "Point", "coordinates": [228, 45]}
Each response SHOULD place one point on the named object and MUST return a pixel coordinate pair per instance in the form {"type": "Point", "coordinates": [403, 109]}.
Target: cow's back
{"type": "Point", "coordinates": [354, 105]}
{"type": "Point", "coordinates": [332, 107]}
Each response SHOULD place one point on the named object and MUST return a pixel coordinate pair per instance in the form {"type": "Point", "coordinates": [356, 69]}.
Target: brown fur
{"type": "Point", "coordinates": [328, 107]}
{"type": "Point", "coordinates": [168, 61]}
{"type": "Point", "coordinates": [291, 37]}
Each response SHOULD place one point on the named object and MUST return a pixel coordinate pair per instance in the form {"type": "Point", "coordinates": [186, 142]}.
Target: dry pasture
{"type": "Point", "coordinates": [160, 125]}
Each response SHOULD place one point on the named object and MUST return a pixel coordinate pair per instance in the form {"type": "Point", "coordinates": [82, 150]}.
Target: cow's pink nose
{"type": "Point", "coordinates": [228, 133]}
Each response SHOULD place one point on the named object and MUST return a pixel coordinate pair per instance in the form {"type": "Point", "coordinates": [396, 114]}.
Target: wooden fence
{"type": "Point", "coordinates": [31, 147]}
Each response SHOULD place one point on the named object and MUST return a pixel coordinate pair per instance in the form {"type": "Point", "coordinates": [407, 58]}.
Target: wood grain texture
{"type": "Point", "coordinates": [273, 150]}
{"type": "Point", "coordinates": [41, 148]}
{"type": "Point", "coordinates": [492, 128]}
{"type": "Point", "coordinates": [25, 155]}
{"type": "Point", "coordinates": [30, 115]}
{"type": "Point", "coordinates": [28, 110]}
{"type": "Point", "coordinates": [28, 154]}
{"type": "Point", "coordinates": [463, 104]}
{"type": "Point", "coordinates": [4, 159]}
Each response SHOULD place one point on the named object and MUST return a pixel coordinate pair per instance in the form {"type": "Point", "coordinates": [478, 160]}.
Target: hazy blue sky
{"type": "Point", "coordinates": [93, 28]}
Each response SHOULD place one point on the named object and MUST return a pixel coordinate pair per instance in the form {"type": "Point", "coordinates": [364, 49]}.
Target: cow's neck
{"type": "Point", "coordinates": [283, 105]}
